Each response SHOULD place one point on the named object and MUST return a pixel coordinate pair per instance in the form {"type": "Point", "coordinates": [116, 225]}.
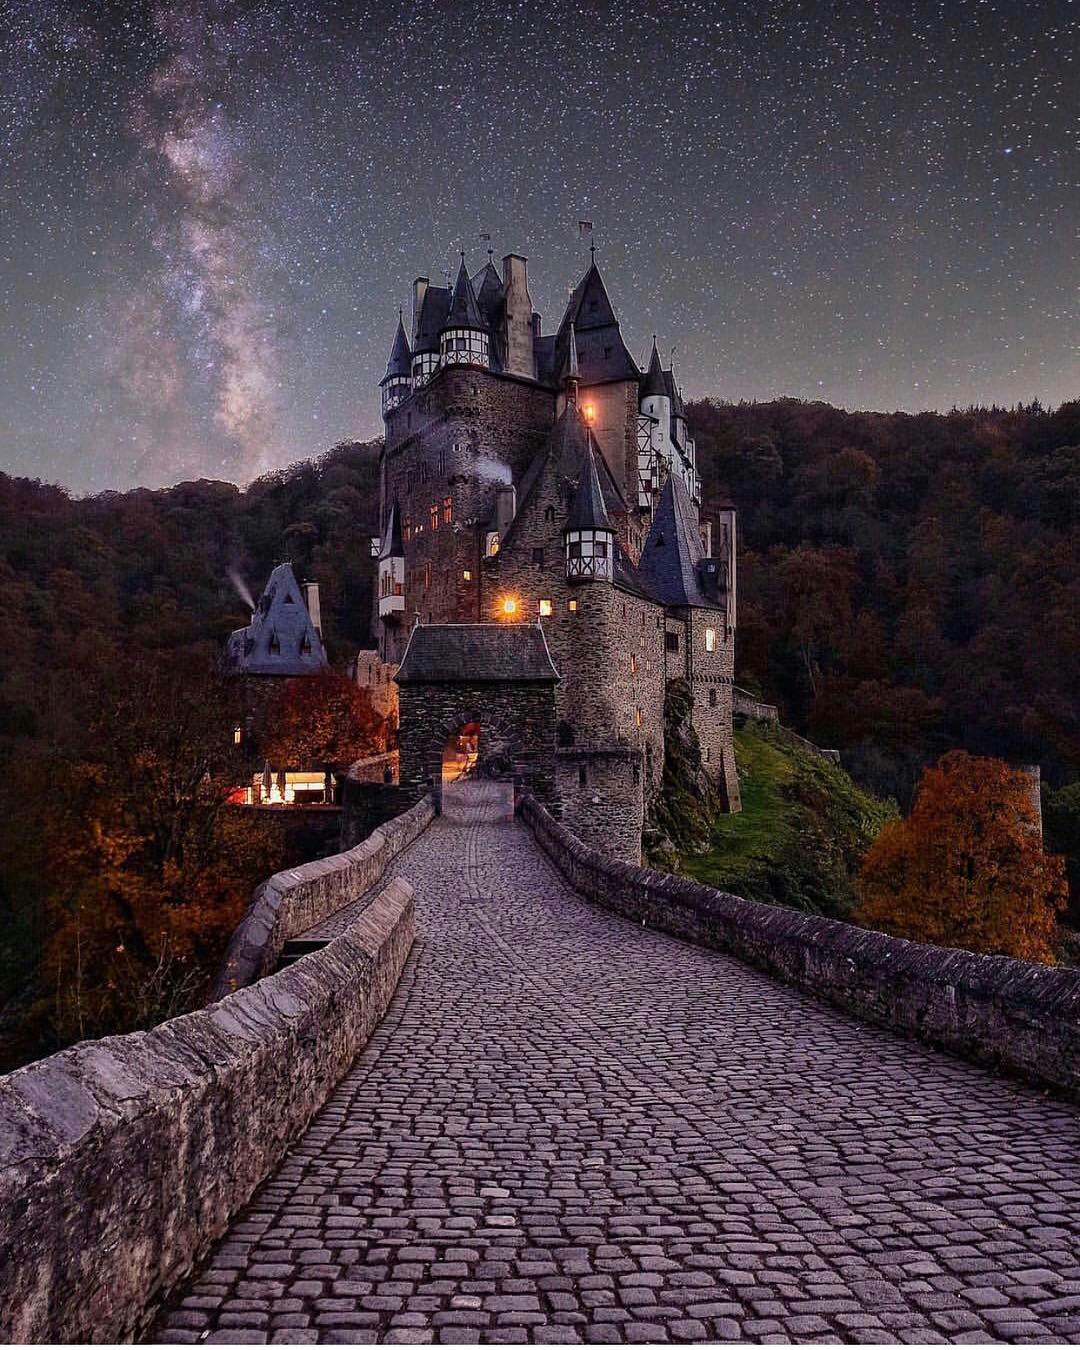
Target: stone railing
{"type": "Point", "coordinates": [1016, 1016]}
{"type": "Point", "coordinates": [745, 704]}
{"type": "Point", "coordinates": [295, 900]}
{"type": "Point", "coordinates": [122, 1160]}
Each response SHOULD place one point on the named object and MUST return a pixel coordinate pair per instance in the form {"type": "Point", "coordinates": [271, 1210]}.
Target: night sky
{"type": "Point", "coordinates": [209, 213]}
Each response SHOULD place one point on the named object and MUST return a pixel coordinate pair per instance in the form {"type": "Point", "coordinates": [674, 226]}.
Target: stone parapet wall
{"type": "Point", "coordinates": [745, 704]}
{"type": "Point", "coordinates": [293, 901]}
{"type": "Point", "coordinates": [1015, 1016]}
{"type": "Point", "coordinates": [122, 1160]}
{"type": "Point", "coordinates": [374, 769]}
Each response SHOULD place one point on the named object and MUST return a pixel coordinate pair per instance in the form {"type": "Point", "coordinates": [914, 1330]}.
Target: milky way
{"type": "Point", "coordinates": [210, 212]}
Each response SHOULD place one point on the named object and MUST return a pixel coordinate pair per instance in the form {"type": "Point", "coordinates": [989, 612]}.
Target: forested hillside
{"type": "Point", "coordinates": [907, 583]}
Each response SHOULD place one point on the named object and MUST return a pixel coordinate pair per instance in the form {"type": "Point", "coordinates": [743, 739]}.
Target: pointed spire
{"type": "Point", "coordinates": [400, 363]}
{"type": "Point", "coordinates": [654, 384]}
{"type": "Point", "coordinates": [393, 545]}
{"type": "Point", "coordinates": [573, 373]}
{"type": "Point", "coordinates": [464, 311]}
{"type": "Point", "coordinates": [587, 510]}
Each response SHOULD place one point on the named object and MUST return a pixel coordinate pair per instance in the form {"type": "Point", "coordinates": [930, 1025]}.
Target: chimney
{"type": "Point", "coordinates": [519, 317]}
{"type": "Point", "coordinates": [419, 290]}
{"type": "Point", "coordinates": [311, 599]}
{"type": "Point", "coordinates": [505, 507]}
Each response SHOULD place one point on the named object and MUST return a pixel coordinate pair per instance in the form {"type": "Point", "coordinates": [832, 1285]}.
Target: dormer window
{"type": "Point", "coordinates": [275, 645]}
{"type": "Point", "coordinates": [305, 645]}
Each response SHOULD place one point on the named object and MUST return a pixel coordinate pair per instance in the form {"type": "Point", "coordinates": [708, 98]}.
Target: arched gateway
{"type": "Point", "coordinates": [477, 699]}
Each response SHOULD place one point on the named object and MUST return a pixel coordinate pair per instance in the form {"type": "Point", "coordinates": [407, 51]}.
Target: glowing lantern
{"type": "Point", "coordinates": [588, 412]}
{"type": "Point", "coordinates": [509, 606]}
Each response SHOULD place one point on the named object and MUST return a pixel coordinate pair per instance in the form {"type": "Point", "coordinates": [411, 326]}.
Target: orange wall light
{"type": "Point", "coordinates": [508, 606]}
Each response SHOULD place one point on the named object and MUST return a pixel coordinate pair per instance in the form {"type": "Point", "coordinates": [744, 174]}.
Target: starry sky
{"type": "Point", "coordinates": [210, 210]}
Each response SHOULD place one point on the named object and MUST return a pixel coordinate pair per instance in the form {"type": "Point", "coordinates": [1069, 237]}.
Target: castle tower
{"type": "Point", "coordinates": [391, 586]}
{"type": "Point", "coordinates": [396, 384]}
{"type": "Point", "coordinates": [464, 340]}
{"type": "Point", "coordinates": [518, 319]}
{"type": "Point", "coordinates": [589, 533]}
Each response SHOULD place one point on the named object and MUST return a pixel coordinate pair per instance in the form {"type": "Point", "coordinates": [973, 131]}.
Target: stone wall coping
{"type": "Point", "coordinates": [296, 899]}
{"type": "Point", "coordinates": [123, 1159]}
{"type": "Point", "coordinates": [1016, 1016]}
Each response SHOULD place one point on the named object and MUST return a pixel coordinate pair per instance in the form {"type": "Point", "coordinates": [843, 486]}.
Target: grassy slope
{"type": "Point", "coordinates": [802, 832]}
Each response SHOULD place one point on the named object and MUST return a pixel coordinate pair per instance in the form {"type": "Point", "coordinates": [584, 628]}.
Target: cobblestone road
{"type": "Point", "coordinates": [572, 1129]}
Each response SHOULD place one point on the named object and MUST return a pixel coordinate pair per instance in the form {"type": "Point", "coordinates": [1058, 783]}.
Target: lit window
{"type": "Point", "coordinates": [637, 716]}
{"type": "Point", "coordinates": [545, 609]}
{"type": "Point", "coordinates": [237, 734]}
{"type": "Point", "coordinates": [434, 514]}
{"type": "Point", "coordinates": [447, 510]}
{"type": "Point", "coordinates": [466, 575]}
{"type": "Point", "coordinates": [572, 606]}
{"type": "Point", "coordinates": [710, 639]}
{"type": "Point", "coordinates": [633, 664]}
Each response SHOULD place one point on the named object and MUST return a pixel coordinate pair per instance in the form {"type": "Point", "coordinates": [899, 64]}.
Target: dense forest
{"type": "Point", "coordinates": [907, 585]}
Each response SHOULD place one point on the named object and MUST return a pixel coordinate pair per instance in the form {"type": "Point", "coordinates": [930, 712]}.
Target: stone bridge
{"type": "Point", "coordinates": [572, 1128]}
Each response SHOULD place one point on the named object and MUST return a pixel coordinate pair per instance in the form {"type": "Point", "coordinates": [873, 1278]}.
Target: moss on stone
{"type": "Point", "coordinates": [800, 838]}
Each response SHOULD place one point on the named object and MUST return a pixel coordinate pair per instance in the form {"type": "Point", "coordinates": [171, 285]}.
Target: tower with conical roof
{"type": "Point", "coordinates": [396, 384]}
{"type": "Point", "coordinates": [464, 339]}
{"type": "Point", "coordinates": [589, 533]}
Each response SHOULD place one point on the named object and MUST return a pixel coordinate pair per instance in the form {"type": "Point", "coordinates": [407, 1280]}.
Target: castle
{"type": "Point", "coordinates": [543, 572]}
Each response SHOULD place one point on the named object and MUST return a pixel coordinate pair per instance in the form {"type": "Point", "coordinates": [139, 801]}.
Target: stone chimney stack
{"type": "Point", "coordinates": [519, 318]}
{"type": "Point", "coordinates": [311, 599]}
{"type": "Point", "coordinates": [505, 507]}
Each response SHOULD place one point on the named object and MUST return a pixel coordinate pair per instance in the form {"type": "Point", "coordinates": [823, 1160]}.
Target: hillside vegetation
{"type": "Point", "coordinates": [802, 833]}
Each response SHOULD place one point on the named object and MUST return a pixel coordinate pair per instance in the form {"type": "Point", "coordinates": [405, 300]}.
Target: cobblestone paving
{"type": "Point", "coordinates": [571, 1129]}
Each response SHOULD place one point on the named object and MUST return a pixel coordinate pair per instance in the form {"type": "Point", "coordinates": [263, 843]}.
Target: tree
{"type": "Point", "coordinates": [322, 719]}
{"type": "Point", "coordinates": [967, 868]}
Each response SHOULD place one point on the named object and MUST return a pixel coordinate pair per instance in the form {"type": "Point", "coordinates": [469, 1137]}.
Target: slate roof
{"type": "Point", "coordinates": [488, 289]}
{"type": "Point", "coordinates": [602, 354]}
{"type": "Point", "coordinates": [400, 362]}
{"type": "Point", "coordinates": [476, 653]}
{"type": "Point", "coordinates": [587, 510]}
{"type": "Point", "coordinates": [654, 383]}
{"type": "Point", "coordinates": [464, 311]}
{"type": "Point", "coordinates": [280, 639]}
{"type": "Point", "coordinates": [678, 408]}
{"type": "Point", "coordinates": [671, 558]}
{"type": "Point", "coordinates": [432, 318]}
{"type": "Point", "coordinates": [393, 545]}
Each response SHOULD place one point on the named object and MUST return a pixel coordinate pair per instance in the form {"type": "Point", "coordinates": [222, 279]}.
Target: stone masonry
{"type": "Point", "coordinates": [570, 1128]}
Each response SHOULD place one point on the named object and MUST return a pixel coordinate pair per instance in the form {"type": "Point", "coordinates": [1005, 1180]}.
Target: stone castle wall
{"type": "Point", "coordinates": [293, 901]}
{"type": "Point", "coordinates": [1015, 1016]}
{"type": "Point", "coordinates": [517, 722]}
{"type": "Point", "coordinates": [123, 1160]}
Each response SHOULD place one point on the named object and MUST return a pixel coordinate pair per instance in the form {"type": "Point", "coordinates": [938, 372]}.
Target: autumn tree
{"type": "Point", "coordinates": [967, 868]}
{"type": "Point", "coordinates": [322, 719]}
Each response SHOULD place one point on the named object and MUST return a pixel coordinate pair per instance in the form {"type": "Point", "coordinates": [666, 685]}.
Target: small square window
{"type": "Point", "coordinates": [466, 575]}
{"type": "Point", "coordinates": [671, 642]}
{"type": "Point", "coordinates": [545, 609]}
{"type": "Point", "coordinates": [572, 606]}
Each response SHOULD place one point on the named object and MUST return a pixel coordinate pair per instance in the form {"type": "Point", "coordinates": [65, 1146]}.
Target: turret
{"type": "Point", "coordinates": [396, 384]}
{"type": "Point", "coordinates": [573, 371]}
{"type": "Point", "coordinates": [464, 339]}
{"type": "Point", "coordinates": [392, 568]}
{"type": "Point", "coordinates": [589, 533]}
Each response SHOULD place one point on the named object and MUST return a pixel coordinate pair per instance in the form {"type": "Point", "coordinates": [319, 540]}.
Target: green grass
{"type": "Point", "coordinates": [802, 832]}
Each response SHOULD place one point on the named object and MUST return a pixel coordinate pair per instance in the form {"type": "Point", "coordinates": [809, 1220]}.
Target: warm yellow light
{"type": "Point", "coordinates": [545, 609]}
{"type": "Point", "coordinates": [589, 412]}
{"type": "Point", "coordinates": [509, 606]}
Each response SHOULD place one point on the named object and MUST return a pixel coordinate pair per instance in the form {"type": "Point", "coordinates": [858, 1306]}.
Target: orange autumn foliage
{"type": "Point", "coordinates": [967, 868]}
{"type": "Point", "coordinates": [323, 720]}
